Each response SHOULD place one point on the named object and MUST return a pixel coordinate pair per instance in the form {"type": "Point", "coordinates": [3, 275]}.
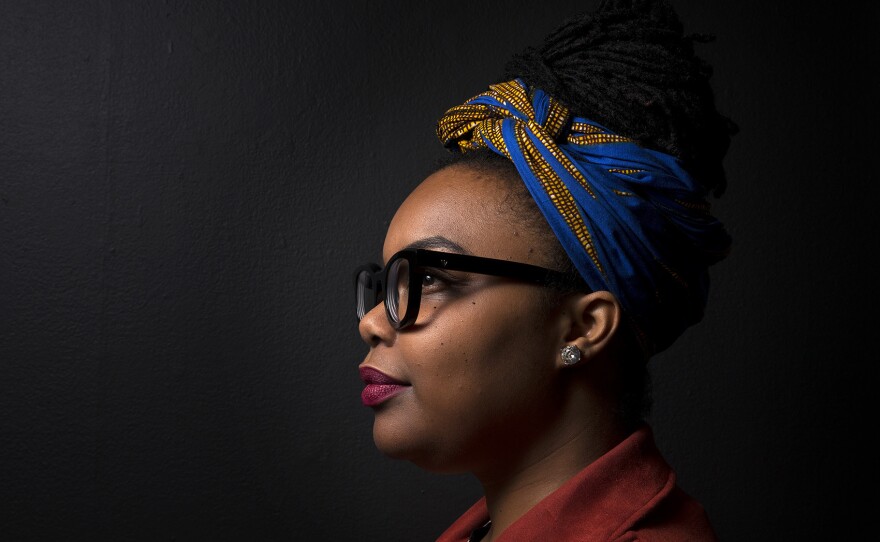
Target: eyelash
{"type": "Point", "coordinates": [440, 281]}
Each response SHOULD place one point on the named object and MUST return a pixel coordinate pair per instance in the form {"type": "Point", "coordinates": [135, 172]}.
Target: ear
{"type": "Point", "coordinates": [593, 320]}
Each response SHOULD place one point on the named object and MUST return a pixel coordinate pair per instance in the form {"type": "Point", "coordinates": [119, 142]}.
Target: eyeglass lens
{"type": "Point", "coordinates": [369, 291]}
{"type": "Point", "coordinates": [397, 297]}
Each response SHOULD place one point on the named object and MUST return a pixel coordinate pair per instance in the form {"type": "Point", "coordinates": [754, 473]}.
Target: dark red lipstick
{"type": "Point", "coordinates": [380, 387]}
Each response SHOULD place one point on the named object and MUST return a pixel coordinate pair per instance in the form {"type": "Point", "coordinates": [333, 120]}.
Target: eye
{"type": "Point", "coordinates": [435, 282]}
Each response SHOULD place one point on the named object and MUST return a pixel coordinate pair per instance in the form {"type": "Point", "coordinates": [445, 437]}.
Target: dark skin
{"type": "Point", "coordinates": [487, 390]}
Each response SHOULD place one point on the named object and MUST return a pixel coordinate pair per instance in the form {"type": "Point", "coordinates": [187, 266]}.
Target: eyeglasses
{"type": "Point", "coordinates": [406, 272]}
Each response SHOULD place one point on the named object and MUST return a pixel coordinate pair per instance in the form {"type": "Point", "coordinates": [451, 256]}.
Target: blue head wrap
{"type": "Point", "coordinates": [631, 219]}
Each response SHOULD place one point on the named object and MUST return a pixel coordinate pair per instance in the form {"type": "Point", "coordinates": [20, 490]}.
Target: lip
{"type": "Point", "coordinates": [379, 386]}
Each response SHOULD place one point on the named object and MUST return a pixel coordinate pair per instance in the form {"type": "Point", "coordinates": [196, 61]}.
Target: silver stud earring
{"type": "Point", "coordinates": [570, 354]}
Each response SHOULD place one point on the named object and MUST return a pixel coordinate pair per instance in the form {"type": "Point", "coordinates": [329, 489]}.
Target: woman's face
{"type": "Point", "coordinates": [479, 365]}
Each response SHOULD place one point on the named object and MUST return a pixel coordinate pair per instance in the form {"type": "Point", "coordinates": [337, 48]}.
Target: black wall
{"type": "Point", "coordinates": [186, 186]}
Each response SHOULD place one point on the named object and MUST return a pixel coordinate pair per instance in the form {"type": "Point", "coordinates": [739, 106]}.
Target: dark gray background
{"type": "Point", "coordinates": [186, 186]}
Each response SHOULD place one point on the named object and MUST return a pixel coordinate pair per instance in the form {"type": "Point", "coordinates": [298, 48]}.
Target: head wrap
{"type": "Point", "coordinates": [631, 219]}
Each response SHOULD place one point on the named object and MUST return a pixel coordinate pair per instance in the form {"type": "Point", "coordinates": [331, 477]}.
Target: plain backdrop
{"type": "Point", "coordinates": [185, 188]}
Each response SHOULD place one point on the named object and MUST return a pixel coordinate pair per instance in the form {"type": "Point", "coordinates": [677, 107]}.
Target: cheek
{"type": "Point", "coordinates": [487, 347]}
{"type": "Point", "coordinates": [478, 372]}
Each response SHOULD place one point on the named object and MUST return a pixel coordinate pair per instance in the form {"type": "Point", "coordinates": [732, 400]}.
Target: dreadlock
{"type": "Point", "coordinates": [628, 66]}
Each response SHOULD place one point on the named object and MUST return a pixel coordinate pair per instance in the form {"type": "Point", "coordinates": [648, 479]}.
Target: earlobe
{"type": "Point", "coordinates": [595, 319]}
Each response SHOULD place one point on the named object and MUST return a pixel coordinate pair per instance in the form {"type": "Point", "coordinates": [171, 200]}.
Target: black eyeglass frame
{"type": "Point", "coordinates": [420, 260]}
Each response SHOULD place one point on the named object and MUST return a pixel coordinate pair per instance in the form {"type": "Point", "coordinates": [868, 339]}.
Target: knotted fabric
{"type": "Point", "coordinates": [631, 219]}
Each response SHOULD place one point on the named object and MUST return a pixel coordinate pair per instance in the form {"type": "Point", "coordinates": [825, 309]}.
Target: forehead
{"type": "Point", "coordinates": [470, 209]}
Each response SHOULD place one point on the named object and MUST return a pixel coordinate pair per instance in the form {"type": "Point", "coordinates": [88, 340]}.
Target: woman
{"type": "Point", "coordinates": [530, 278]}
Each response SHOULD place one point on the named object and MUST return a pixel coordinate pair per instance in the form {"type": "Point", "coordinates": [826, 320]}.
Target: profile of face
{"type": "Point", "coordinates": [479, 372]}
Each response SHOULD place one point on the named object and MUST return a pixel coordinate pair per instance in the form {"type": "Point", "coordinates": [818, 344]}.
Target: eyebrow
{"type": "Point", "coordinates": [438, 241]}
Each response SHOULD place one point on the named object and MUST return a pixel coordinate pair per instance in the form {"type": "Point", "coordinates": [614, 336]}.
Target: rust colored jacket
{"type": "Point", "coordinates": [627, 495]}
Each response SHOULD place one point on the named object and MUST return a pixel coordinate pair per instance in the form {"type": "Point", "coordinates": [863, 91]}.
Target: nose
{"type": "Point", "coordinates": [375, 329]}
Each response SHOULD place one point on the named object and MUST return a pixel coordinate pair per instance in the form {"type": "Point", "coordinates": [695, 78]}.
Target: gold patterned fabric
{"type": "Point", "coordinates": [632, 219]}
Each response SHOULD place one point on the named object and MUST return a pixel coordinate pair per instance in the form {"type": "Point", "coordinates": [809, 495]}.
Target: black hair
{"type": "Point", "coordinates": [629, 67]}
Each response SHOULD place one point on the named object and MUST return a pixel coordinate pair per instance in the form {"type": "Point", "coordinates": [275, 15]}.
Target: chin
{"type": "Point", "coordinates": [396, 444]}
{"type": "Point", "coordinates": [402, 446]}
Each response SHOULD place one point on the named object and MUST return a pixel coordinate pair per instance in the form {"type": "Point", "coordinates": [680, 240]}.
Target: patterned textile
{"type": "Point", "coordinates": [632, 220]}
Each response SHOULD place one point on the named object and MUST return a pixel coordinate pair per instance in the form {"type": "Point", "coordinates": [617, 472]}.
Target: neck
{"type": "Point", "coordinates": [513, 490]}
